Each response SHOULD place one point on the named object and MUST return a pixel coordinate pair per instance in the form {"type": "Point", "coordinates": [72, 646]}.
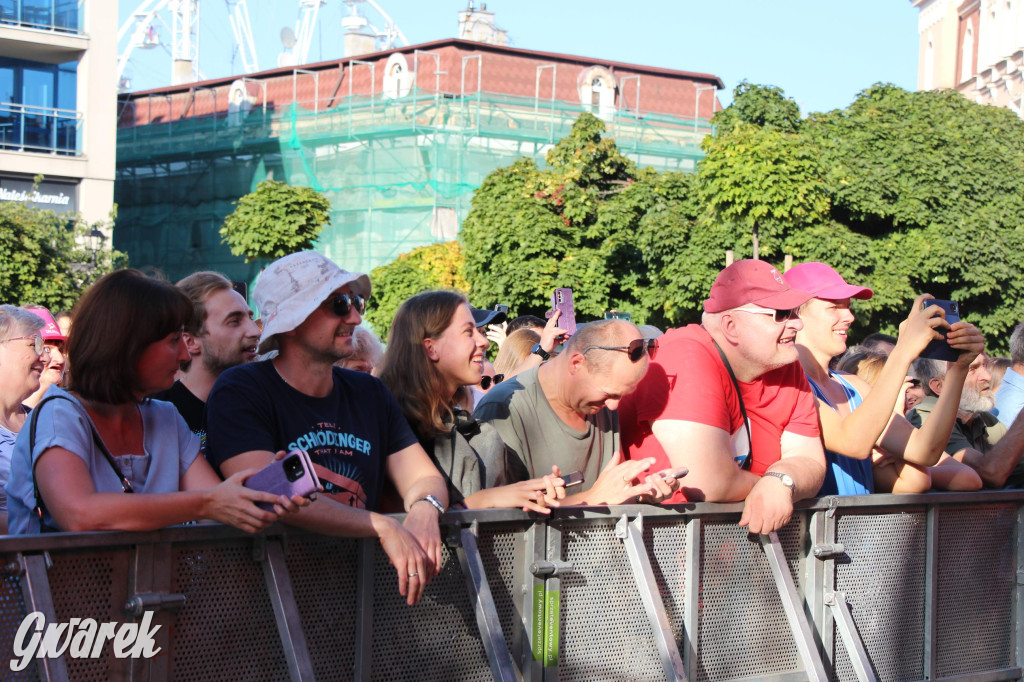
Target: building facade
{"type": "Point", "coordinates": [397, 141]}
{"type": "Point", "coordinates": [975, 47]}
{"type": "Point", "coordinates": [58, 105]}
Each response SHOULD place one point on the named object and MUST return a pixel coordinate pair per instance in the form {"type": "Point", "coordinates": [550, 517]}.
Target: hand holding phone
{"type": "Point", "coordinates": [561, 301]}
{"type": "Point", "coordinates": [291, 475]}
{"type": "Point", "coordinates": [575, 478]}
{"type": "Point", "coordinates": [939, 349]}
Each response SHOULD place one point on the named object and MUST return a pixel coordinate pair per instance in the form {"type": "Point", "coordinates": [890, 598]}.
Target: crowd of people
{"type": "Point", "coordinates": [162, 400]}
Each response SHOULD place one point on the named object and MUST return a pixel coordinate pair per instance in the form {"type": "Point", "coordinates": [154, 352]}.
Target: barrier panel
{"type": "Point", "coordinates": [879, 587]}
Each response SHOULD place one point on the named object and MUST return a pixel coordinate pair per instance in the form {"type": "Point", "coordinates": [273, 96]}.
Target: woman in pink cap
{"type": "Point", "coordinates": [862, 424]}
{"type": "Point", "coordinates": [56, 363]}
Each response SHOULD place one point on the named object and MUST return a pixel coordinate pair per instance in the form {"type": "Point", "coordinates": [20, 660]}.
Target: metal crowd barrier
{"type": "Point", "coordinates": [882, 587]}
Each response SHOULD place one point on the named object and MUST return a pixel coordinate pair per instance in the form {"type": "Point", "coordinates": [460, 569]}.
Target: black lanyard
{"type": "Point", "coordinates": [743, 410]}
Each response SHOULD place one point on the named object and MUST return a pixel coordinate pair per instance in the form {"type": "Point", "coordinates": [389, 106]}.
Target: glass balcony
{"type": "Point", "coordinates": [48, 15]}
{"type": "Point", "coordinates": [40, 130]}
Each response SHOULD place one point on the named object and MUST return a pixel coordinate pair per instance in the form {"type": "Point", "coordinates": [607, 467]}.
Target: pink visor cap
{"type": "Point", "coordinates": [824, 282]}
{"type": "Point", "coordinates": [753, 281]}
{"type": "Point", "coordinates": [50, 330]}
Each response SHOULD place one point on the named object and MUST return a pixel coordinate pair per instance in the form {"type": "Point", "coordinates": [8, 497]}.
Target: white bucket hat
{"type": "Point", "coordinates": [291, 288]}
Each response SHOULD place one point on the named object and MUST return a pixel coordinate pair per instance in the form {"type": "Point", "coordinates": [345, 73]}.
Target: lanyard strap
{"type": "Point", "coordinates": [743, 410]}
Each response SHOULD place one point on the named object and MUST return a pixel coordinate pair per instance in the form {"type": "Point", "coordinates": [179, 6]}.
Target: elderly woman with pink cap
{"type": "Point", "coordinates": [861, 422]}
{"type": "Point", "coordinates": [56, 362]}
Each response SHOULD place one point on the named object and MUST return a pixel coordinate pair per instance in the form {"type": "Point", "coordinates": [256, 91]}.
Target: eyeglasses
{"type": "Point", "coordinates": [37, 343]}
{"type": "Point", "coordinates": [342, 304]}
{"type": "Point", "coordinates": [635, 350]}
{"type": "Point", "coordinates": [487, 381]}
{"type": "Point", "coordinates": [780, 316]}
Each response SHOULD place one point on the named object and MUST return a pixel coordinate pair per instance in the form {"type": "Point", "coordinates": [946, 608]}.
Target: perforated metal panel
{"type": "Point", "coordinates": [743, 626]}
{"type": "Point", "coordinates": [501, 548]}
{"type": "Point", "coordinates": [976, 579]}
{"type": "Point", "coordinates": [884, 583]}
{"type": "Point", "coordinates": [666, 546]}
{"type": "Point", "coordinates": [12, 612]}
{"type": "Point", "coordinates": [605, 633]}
{"type": "Point", "coordinates": [328, 615]}
{"type": "Point", "coordinates": [226, 629]}
{"type": "Point", "coordinates": [91, 584]}
{"type": "Point", "coordinates": [437, 639]}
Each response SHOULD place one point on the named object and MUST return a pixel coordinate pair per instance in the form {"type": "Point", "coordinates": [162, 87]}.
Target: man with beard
{"type": "Point", "coordinates": [348, 422]}
{"type": "Point", "coordinates": [978, 439]}
{"type": "Point", "coordinates": [222, 334]}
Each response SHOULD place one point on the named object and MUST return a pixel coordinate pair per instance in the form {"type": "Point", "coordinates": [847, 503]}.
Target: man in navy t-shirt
{"type": "Point", "coordinates": [347, 421]}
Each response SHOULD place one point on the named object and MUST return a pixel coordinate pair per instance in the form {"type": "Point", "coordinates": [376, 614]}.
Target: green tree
{"type": "Point", "coordinates": [46, 256]}
{"type": "Point", "coordinates": [275, 220]}
{"type": "Point", "coordinates": [765, 106]}
{"type": "Point", "coordinates": [437, 266]}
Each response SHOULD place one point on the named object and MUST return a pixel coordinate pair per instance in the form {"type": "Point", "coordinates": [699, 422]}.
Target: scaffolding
{"type": "Point", "coordinates": [399, 172]}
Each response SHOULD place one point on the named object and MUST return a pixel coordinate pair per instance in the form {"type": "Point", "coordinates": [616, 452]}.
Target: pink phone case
{"type": "Point", "coordinates": [291, 475]}
{"type": "Point", "coordinates": [562, 300]}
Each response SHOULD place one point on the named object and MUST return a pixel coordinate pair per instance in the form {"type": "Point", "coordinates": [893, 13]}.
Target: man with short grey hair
{"type": "Point", "coordinates": [1010, 397]}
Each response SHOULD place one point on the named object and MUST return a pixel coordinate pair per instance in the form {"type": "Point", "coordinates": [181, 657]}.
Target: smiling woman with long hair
{"type": "Point", "coordinates": [434, 351]}
{"type": "Point", "coordinates": [84, 449]}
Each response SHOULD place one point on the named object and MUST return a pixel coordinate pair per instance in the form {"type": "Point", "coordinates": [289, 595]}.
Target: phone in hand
{"type": "Point", "coordinates": [618, 315]}
{"type": "Point", "coordinates": [674, 473]}
{"type": "Point", "coordinates": [561, 301]}
{"type": "Point", "coordinates": [291, 475]}
{"type": "Point", "coordinates": [575, 478]}
{"type": "Point", "coordinates": [938, 349]}
{"type": "Point", "coordinates": [502, 308]}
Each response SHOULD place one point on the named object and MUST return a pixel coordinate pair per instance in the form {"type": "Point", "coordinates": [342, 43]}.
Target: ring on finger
{"type": "Point", "coordinates": [413, 575]}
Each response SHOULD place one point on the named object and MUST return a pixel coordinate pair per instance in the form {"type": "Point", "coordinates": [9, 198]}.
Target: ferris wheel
{"type": "Point", "coordinates": [159, 41]}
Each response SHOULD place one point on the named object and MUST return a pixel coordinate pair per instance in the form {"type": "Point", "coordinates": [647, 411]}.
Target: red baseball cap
{"type": "Point", "coordinates": [824, 282]}
{"type": "Point", "coordinates": [753, 281]}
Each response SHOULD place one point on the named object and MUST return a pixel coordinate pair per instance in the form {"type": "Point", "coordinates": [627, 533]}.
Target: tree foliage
{"type": "Point", "coordinates": [46, 257]}
{"type": "Point", "coordinates": [275, 220]}
{"type": "Point", "coordinates": [437, 266]}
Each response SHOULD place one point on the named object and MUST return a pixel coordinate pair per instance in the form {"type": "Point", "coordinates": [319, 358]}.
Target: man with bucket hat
{"type": "Point", "coordinates": [728, 400]}
{"type": "Point", "coordinates": [347, 421]}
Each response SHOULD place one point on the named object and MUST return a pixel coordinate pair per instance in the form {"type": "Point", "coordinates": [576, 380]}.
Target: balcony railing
{"type": "Point", "coordinates": [41, 130]}
{"type": "Point", "coordinates": [47, 15]}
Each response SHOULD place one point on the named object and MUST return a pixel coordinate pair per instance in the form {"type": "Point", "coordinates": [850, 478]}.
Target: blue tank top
{"type": "Point", "coordinates": [844, 475]}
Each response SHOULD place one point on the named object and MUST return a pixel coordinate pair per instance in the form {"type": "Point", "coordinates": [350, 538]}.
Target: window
{"type": "Point", "coordinates": [37, 106]}
{"type": "Point", "coordinates": [597, 91]}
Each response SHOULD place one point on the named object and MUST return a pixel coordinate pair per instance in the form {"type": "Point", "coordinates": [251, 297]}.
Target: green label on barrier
{"type": "Point", "coordinates": [551, 629]}
{"type": "Point", "coordinates": [538, 621]}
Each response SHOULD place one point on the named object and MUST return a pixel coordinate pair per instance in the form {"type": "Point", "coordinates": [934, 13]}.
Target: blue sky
{"type": "Point", "coordinates": [820, 52]}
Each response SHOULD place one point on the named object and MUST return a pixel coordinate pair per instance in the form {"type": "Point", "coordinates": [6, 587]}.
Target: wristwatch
{"type": "Point", "coordinates": [434, 502]}
{"type": "Point", "coordinates": [786, 479]}
{"type": "Point", "coordinates": [537, 350]}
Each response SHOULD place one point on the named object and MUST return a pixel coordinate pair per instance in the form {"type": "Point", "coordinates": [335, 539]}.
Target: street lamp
{"type": "Point", "coordinates": [96, 239]}
{"type": "Point", "coordinates": [696, 106]}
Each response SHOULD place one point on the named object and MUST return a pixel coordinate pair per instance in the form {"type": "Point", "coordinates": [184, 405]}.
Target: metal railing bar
{"type": "Point", "coordinates": [286, 613]}
{"type": "Point", "coordinates": [363, 664]}
{"type": "Point", "coordinates": [931, 577]}
{"type": "Point", "coordinates": [35, 590]}
{"type": "Point", "coordinates": [632, 536]}
{"type": "Point", "coordinates": [691, 617]}
{"type": "Point", "coordinates": [859, 658]}
{"type": "Point", "coordinates": [525, 639]}
{"type": "Point", "coordinates": [989, 676]}
{"type": "Point", "coordinates": [491, 634]}
{"type": "Point", "coordinates": [803, 635]}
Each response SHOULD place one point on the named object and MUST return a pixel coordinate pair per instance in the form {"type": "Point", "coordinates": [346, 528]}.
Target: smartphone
{"type": "Point", "coordinates": [617, 315]}
{"type": "Point", "coordinates": [939, 349]}
{"type": "Point", "coordinates": [674, 473]}
{"type": "Point", "coordinates": [561, 300]}
{"type": "Point", "coordinates": [575, 478]}
{"type": "Point", "coordinates": [502, 308]}
{"type": "Point", "coordinates": [291, 475]}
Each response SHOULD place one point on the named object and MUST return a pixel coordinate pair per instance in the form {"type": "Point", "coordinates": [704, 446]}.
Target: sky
{"type": "Point", "coordinates": [822, 53]}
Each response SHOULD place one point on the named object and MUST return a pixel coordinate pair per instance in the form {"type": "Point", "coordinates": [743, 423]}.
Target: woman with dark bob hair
{"type": "Point", "coordinates": [434, 351]}
{"type": "Point", "coordinates": [83, 449]}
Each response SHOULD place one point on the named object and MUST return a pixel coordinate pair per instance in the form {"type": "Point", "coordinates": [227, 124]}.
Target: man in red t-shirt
{"type": "Point", "coordinates": [687, 413]}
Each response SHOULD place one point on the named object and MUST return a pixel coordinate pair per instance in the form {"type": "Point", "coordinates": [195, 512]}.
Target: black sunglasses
{"type": "Point", "coordinates": [635, 350]}
{"type": "Point", "coordinates": [342, 304]}
{"type": "Point", "coordinates": [914, 382]}
{"type": "Point", "coordinates": [486, 381]}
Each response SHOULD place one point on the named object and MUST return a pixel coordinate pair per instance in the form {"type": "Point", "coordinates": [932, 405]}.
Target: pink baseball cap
{"type": "Point", "coordinates": [824, 282]}
{"type": "Point", "coordinates": [753, 281]}
{"type": "Point", "coordinates": [50, 330]}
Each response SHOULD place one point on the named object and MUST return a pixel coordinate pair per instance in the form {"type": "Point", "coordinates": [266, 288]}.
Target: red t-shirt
{"type": "Point", "coordinates": [688, 382]}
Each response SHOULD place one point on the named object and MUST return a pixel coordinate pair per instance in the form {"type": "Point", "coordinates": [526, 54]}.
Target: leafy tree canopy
{"type": "Point", "coordinates": [275, 220]}
{"type": "Point", "coordinates": [765, 106]}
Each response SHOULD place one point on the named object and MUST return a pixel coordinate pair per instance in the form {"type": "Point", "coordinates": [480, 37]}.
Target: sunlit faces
{"type": "Point", "coordinates": [765, 342]}
{"type": "Point", "coordinates": [595, 390]}
{"type": "Point", "coordinates": [20, 366]}
{"type": "Point", "coordinates": [977, 394]}
{"type": "Point", "coordinates": [229, 336]}
{"type": "Point", "coordinates": [323, 334]}
{"type": "Point", "coordinates": [458, 352]}
{"type": "Point", "coordinates": [159, 363]}
{"type": "Point", "coordinates": [826, 324]}
{"type": "Point", "coordinates": [56, 364]}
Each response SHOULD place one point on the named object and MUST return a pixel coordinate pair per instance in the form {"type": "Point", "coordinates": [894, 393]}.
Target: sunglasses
{"type": "Point", "coordinates": [914, 383]}
{"type": "Point", "coordinates": [342, 304]}
{"type": "Point", "coordinates": [635, 350]}
{"type": "Point", "coordinates": [780, 316]}
{"type": "Point", "coordinates": [487, 381]}
{"type": "Point", "coordinates": [37, 343]}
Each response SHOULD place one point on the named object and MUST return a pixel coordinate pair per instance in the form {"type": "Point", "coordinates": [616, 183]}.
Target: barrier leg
{"type": "Point", "coordinates": [836, 601]}
{"type": "Point", "coordinates": [632, 536]}
{"type": "Point", "coordinates": [487, 620]}
{"type": "Point", "coordinates": [803, 636]}
{"type": "Point", "coordinates": [35, 589]}
{"type": "Point", "coordinates": [286, 613]}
